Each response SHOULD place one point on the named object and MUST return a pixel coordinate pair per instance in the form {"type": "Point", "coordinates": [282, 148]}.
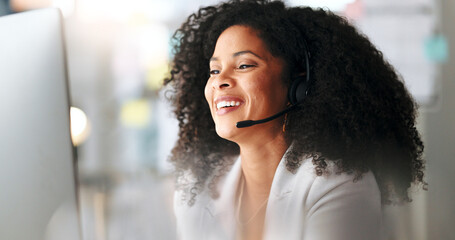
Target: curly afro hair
{"type": "Point", "coordinates": [357, 113]}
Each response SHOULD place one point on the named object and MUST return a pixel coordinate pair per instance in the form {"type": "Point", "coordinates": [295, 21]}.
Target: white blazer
{"type": "Point", "coordinates": [301, 206]}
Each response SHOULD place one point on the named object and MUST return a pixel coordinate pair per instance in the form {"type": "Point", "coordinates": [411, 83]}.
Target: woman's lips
{"type": "Point", "coordinates": [227, 104]}
{"type": "Point", "coordinates": [226, 110]}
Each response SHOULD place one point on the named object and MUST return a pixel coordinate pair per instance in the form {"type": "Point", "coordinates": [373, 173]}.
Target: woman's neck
{"type": "Point", "coordinates": [259, 163]}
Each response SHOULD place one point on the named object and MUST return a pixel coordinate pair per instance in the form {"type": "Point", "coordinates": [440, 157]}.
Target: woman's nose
{"type": "Point", "coordinates": [223, 80]}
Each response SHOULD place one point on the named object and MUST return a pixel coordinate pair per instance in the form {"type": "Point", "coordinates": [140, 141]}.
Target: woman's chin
{"type": "Point", "coordinates": [227, 132]}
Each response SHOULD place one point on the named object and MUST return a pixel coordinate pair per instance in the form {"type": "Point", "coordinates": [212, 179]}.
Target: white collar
{"type": "Point", "coordinates": [282, 186]}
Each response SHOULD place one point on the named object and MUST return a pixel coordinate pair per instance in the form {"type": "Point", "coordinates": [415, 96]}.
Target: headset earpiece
{"type": "Point", "coordinates": [300, 84]}
{"type": "Point", "coordinates": [298, 90]}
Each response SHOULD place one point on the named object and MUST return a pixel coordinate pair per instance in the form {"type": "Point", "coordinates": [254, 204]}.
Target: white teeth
{"type": "Point", "coordinates": [227, 104]}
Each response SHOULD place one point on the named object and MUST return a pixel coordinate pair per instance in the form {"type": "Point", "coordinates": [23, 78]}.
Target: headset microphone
{"type": "Point", "coordinates": [249, 123]}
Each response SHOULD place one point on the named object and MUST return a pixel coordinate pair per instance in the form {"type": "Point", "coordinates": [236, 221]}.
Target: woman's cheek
{"type": "Point", "coordinates": [208, 94]}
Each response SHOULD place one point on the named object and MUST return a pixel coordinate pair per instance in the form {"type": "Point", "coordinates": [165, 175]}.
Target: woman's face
{"type": "Point", "coordinates": [245, 84]}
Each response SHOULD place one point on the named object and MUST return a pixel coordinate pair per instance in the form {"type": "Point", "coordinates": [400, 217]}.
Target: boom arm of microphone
{"type": "Point", "coordinates": [249, 123]}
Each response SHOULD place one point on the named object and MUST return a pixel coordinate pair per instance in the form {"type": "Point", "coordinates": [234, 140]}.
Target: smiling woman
{"type": "Point", "coordinates": [344, 141]}
{"type": "Point", "coordinates": [245, 74]}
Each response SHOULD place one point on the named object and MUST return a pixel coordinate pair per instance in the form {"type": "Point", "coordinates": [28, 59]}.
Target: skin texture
{"type": "Point", "coordinates": [243, 69]}
{"type": "Point", "coordinates": [357, 114]}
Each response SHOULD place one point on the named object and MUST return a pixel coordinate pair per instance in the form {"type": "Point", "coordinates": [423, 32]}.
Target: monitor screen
{"type": "Point", "coordinates": [38, 196]}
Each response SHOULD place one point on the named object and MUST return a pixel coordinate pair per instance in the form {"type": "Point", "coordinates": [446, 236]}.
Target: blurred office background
{"type": "Point", "coordinates": [118, 54]}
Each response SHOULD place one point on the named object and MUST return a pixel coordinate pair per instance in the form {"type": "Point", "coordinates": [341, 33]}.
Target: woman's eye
{"type": "Point", "coordinates": [213, 72]}
{"type": "Point", "coordinates": [245, 66]}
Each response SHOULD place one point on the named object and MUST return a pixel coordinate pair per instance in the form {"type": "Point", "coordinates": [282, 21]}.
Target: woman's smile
{"type": "Point", "coordinates": [226, 104]}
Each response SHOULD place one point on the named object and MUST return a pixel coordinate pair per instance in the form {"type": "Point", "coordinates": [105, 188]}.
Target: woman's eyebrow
{"type": "Point", "coordinates": [245, 52]}
{"type": "Point", "coordinates": [238, 54]}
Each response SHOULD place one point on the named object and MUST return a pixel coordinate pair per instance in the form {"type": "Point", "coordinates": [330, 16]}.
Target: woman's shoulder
{"type": "Point", "coordinates": [336, 199]}
{"type": "Point", "coordinates": [348, 203]}
{"type": "Point", "coordinates": [334, 184]}
{"type": "Point", "coordinates": [338, 192]}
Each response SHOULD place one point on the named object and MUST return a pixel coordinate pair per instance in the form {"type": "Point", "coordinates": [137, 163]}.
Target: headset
{"type": "Point", "coordinates": [296, 94]}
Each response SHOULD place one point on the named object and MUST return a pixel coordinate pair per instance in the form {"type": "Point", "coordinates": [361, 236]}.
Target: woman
{"type": "Point", "coordinates": [345, 144]}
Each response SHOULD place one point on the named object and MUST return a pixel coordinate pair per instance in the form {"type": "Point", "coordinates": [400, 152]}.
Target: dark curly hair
{"type": "Point", "coordinates": [357, 113]}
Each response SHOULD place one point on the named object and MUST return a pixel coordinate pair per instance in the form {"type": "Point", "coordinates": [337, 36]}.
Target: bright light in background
{"type": "Point", "coordinates": [110, 9]}
{"type": "Point", "coordinates": [121, 10]}
{"type": "Point", "coordinates": [151, 40]}
{"type": "Point", "coordinates": [79, 126]}
{"type": "Point", "coordinates": [66, 6]}
{"type": "Point", "coordinates": [333, 5]}
{"type": "Point", "coordinates": [153, 54]}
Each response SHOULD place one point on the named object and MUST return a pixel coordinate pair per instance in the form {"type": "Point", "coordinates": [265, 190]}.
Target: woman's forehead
{"type": "Point", "coordinates": [237, 40]}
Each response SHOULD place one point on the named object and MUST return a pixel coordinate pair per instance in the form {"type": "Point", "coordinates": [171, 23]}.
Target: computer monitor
{"type": "Point", "coordinates": [38, 187]}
